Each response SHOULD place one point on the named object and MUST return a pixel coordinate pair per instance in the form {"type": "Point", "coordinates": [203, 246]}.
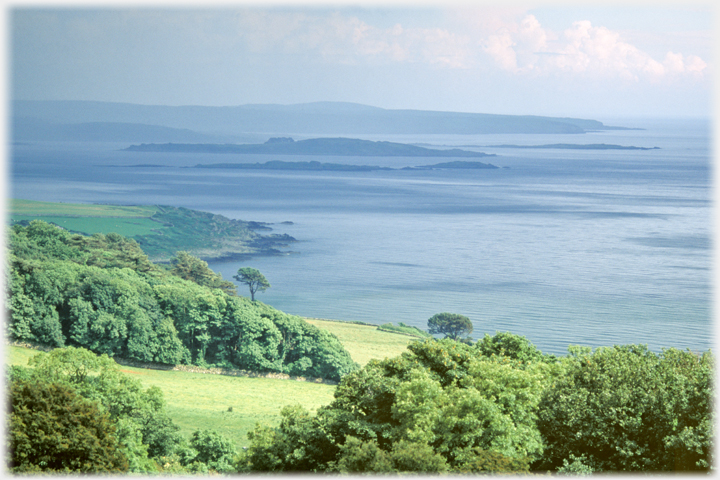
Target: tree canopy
{"type": "Point", "coordinates": [452, 325]}
{"type": "Point", "coordinates": [76, 412]}
{"type": "Point", "coordinates": [439, 407]}
{"type": "Point", "coordinates": [627, 409]}
{"type": "Point", "coordinates": [502, 406]}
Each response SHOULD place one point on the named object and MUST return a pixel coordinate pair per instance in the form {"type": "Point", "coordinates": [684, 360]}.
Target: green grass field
{"type": "Point", "coordinates": [88, 219]}
{"type": "Point", "coordinates": [161, 231]}
{"type": "Point", "coordinates": [202, 401]}
{"type": "Point", "coordinates": [33, 208]}
{"type": "Point", "coordinates": [127, 226]}
{"type": "Point", "coordinates": [365, 342]}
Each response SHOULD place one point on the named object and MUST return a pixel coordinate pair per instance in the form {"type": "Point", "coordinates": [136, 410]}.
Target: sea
{"type": "Point", "coordinates": [564, 247]}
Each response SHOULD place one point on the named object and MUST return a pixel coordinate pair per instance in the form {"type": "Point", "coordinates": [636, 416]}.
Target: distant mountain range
{"type": "Point", "coordinates": [124, 122]}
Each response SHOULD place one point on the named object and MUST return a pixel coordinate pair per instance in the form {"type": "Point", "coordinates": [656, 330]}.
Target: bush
{"type": "Point", "coordinates": [418, 412]}
{"type": "Point", "coordinates": [213, 450]}
{"type": "Point", "coordinates": [52, 429]}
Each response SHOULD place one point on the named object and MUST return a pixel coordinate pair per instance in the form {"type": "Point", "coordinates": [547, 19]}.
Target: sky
{"type": "Point", "coordinates": [577, 59]}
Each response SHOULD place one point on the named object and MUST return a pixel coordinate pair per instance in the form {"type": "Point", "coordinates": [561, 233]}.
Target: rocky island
{"type": "Point", "coordinates": [338, 167]}
{"type": "Point", "coordinates": [314, 146]}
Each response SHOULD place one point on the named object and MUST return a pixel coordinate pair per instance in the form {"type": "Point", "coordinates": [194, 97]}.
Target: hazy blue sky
{"type": "Point", "coordinates": [580, 61]}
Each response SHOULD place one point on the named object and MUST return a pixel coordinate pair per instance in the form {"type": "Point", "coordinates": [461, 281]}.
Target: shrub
{"type": "Point", "coordinates": [52, 429]}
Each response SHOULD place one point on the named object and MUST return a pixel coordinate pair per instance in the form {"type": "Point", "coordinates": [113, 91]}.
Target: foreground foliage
{"type": "Point", "coordinates": [102, 293]}
{"type": "Point", "coordinates": [502, 406]}
{"type": "Point", "coordinates": [76, 412]}
{"type": "Point", "coordinates": [439, 407]}
{"type": "Point", "coordinates": [627, 409]}
{"type": "Point", "coordinates": [52, 429]}
{"type": "Point", "coordinates": [497, 406]}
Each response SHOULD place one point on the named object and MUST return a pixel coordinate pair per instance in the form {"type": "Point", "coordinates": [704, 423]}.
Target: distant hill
{"type": "Point", "coordinates": [321, 118]}
{"type": "Point", "coordinates": [33, 129]}
{"type": "Point", "coordinates": [313, 146]}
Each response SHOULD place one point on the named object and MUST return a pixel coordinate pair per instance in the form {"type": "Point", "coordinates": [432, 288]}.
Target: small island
{"type": "Point", "coordinates": [337, 167]}
{"type": "Point", "coordinates": [313, 146]}
{"type": "Point", "coordinates": [572, 146]}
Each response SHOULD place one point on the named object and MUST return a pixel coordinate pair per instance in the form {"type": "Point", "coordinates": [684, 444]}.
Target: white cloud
{"type": "Point", "coordinates": [347, 39]}
{"type": "Point", "coordinates": [485, 39]}
{"type": "Point", "coordinates": [501, 48]}
{"type": "Point", "coordinates": [583, 49]}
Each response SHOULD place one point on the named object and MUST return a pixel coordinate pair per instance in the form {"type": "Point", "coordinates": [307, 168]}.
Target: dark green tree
{"type": "Point", "coordinates": [255, 280]}
{"type": "Point", "coordinates": [143, 428]}
{"type": "Point", "coordinates": [452, 325]}
{"type": "Point", "coordinates": [101, 293]}
{"type": "Point", "coordinates": [52, 429]}
{"type": "Point", "coordinates": [214, 450]}
{"type": "Point", "coordinates": [478, 460]}
{"type": "Point", "coordinates": [357, 456]}
{"type": "Point", "coordinates": [192, 268]}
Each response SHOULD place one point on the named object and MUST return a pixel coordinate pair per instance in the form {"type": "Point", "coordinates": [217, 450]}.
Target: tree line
{"type": "Point", "coordinates": [101, 293]}
{"type": "Point", "coordinates": [502, 406]}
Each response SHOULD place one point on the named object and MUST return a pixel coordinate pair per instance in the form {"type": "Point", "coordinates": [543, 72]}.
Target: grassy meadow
{"type": "Point", "coordinates": [34, 208]}
{"type": "Point", "coordinates": [203, 401]}
{"type": "Point", "coordinates": [365, 342]}
{"type": "Point", "coordinates": [88, 219]}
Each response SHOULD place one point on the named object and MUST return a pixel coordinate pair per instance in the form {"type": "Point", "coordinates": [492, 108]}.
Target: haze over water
{"type": "Point", "coordinates": [563, 246]}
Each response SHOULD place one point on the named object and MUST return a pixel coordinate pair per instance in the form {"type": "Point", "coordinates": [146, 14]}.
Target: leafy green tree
{"type": "Point", "coordinates": [102, 294]}
{"type": "Point", "coordinates": [357, 456]}
{"type": "Point", "coordinates": [52, 429]}
{"type": "Point", "coordinates": [143, 428]}
{"type": "Point", "coordinates": [417, 458]}
{"type": "Point", "coordinates": [627, 409]}
{"type": "Point", "coordinates": [452, 325]}
{"type": "Point", "coordinates": [506, 344]}
{"type": "Point", "coordinates": [424, 411]}
{"type": "Point", "coordinates": [214, 450]}
{"type": "Point", "coordinates": [478, 460]}
{"type": "Point", "coordinates": [255, 280]}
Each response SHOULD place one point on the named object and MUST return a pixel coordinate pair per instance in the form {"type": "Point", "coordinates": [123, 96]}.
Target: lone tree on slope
{"type": "Point", "coordinates": [253, 279]}
{"type": "Point", "coordinates": [452, 325]}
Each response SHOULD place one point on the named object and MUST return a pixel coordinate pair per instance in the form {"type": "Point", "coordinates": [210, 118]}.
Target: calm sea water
{"type": "Point", "coordinates": [563, 246]}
